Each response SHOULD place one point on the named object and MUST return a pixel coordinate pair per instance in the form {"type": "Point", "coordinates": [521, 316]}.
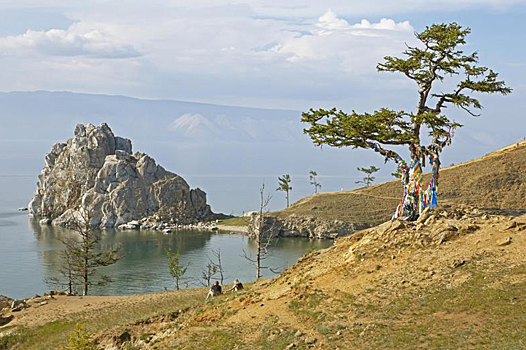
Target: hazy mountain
{"type": "Point", "coordinates": [227, 151]}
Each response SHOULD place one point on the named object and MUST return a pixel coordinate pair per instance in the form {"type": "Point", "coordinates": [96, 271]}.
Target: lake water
{"type": "Point", "coordinates": [29, 253]}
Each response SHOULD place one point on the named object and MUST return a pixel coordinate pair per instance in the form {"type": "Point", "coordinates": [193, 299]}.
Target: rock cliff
{"type": "Point", "coordinates": [301, 226]}
{"type": "Point", "coordinates": [97, 171]}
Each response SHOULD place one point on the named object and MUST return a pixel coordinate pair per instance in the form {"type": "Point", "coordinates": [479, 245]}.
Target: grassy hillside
{"type": "Point", "coordinates": [453, 281]}
{"type": "Point", "coordinates": [495, 181]}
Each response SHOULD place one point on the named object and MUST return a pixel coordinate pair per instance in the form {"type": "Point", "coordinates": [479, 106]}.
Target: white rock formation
{"type": "Point", "coordinates": [96, 171]}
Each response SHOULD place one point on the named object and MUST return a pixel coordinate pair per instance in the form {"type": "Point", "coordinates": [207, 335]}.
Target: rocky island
{"type": "Point", "coordinates": [96, 172]}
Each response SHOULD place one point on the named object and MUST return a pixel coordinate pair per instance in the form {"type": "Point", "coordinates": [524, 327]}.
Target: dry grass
{"type": "Point", "coordinates": [54, 334]}
{"type": "Point", "coordinates": [236, 221]}
{"type": "Point", "coordinates": [495, 181]}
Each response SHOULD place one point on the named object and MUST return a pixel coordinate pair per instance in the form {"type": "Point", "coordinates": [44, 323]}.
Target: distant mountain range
{"type": "Point", "coordinates": [225, 150]}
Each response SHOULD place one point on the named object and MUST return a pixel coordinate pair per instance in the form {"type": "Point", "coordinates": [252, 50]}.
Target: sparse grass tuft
{"type": "Point", "coordinates": [237, 221]}
{"type": "Point", "coordinates": [80, 339]}
{"type": "Point", "coordinates": [276, 338]}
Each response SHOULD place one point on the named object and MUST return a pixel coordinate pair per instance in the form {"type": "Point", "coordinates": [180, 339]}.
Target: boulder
{"type": "Point", "coordinates": [96, 172]}
{"type": "Point", "coordinates": [5, 302]}
{"type": "Point", "coordinates": [45, 221]}
{"type": "Point", "coordinates": [300, 226]}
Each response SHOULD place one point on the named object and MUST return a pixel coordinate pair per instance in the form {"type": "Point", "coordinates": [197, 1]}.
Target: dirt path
{"type": "Point", "coordinates": [61, 307]}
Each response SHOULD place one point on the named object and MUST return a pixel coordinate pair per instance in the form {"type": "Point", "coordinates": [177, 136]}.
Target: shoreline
{"type": "Point", "coordinates": [236, 229]}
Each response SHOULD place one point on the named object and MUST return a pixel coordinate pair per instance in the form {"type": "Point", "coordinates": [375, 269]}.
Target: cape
{"type": "Point", "coordinates": [96, 174]}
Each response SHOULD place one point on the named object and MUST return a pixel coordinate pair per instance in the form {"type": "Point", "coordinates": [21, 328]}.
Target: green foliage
{"type": "Point", "coordinates": [176, 269]}
{"type": "Point", "coordinates": [47, 336]}
{"type": "Point", "coordinates": [439, 56]}
{"type": "Point", "coordinates": [237, 221]}
{"type": "Point", "coordinates": [284, 185]}
{"type": "Point", "coordinates": [397, 174]}
{"type": "Point", "coordinates": [81, 258]}
{"type": "Point", "coordinates": [369, 178]}
{"type": "Point", "coordinates": [218, 339]}
{"type": "Point", "coordinates": [313, 182]}
{"type": "Point", "coordinates": [10, 340]}
{"type": "Point", "coordinates": [80, 339]}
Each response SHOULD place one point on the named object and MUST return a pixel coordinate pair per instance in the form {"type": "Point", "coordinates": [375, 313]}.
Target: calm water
{"type": "Point", "coordinates": [29, 253]}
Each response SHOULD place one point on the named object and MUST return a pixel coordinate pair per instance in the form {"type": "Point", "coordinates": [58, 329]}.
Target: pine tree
{"type": "Point", "coordinates": [313, 182]}
{"type": "Point", "coordinates": [369, 178]}
{"type": "Point", "coordinates": [84, 254]}
{"type": "Point", "coordinates": [439, 56]}
{"type": "Point", "coordinates": [284, 185]}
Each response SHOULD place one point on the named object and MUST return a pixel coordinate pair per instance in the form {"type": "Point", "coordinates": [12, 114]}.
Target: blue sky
{"type": "Point", "coordinates": [252, 53]}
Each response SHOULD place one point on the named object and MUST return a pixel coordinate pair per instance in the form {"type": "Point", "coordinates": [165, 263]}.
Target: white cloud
{"type": "Point", "coordinates": [386, 24]}
{"type": "Point", "coordinates": [330, 21]}
{"type": "Point", "coordinates": [76, 41]}
{"type": "Point", "coordinates": [217, 50]}
{"type": "Point", "coordinates": [352, 48]}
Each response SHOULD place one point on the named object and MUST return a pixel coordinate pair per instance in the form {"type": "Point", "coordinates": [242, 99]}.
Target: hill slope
{"type": "Point", "coordinates": [454, 280]}
{"type": "Point", "coordinates": [495, 181]}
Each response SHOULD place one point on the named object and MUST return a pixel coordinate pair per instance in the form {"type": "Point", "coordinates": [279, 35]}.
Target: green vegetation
{"type": "Point", "coordinates": [237, 221]}
{"type": "Point", "coordinates": [82, 258]}
{"type": "Point", "coordinates": [472, 315]}
{"type": "Point", "coordinates": [492, 184]}
{"type": "Point", "coordinates": [484, 312]}
{"type": "Point", "coordinates": [276, 338]}
{"type": "Point", "coordinates": [284, 185]}
{"type": "Point", "coordinates": [54, 335]}
{"type": "Point", "coordinates": [438, 57]}
{"type": "Point", "coordinates": [369, 178]}
{"type": "Point", "coordinates": [80, 339]}
{"type": "Point", "coordinates": [176, 269]}
{"type": "Point", "coordinates": [312, 178]}
{"type": "Point", "coordinates": [215, 340]}
{"type": "Point", "coordinates": [48, 336]}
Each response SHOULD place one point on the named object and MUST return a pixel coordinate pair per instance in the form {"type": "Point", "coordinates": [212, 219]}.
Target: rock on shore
{"type": "Point", "coordinates": [301, 226]}
{"type": "Point", "coordinates": [97, 171]}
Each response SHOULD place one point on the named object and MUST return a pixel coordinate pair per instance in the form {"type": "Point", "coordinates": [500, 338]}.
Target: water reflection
{"type": "Point", "coordinates": [144, 268]}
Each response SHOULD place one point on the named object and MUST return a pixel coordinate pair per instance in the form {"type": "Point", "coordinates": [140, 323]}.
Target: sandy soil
{"type": "Point", "coordinates": [377, 266]}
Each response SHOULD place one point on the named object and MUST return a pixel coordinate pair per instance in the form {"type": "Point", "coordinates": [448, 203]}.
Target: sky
{"type": "Point", "coordinates": [295, 55]}
{"type": "Point", "coordinates": [266, 54]}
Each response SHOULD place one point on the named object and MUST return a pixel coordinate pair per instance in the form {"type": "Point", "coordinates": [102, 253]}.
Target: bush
{"type": "Point", "coordinates": [80, 339]}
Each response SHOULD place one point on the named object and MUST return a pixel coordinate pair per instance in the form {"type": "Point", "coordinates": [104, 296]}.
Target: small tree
{"type": "Point", "coordinates": [68, 279]}
{"type": "Point", "coordinates": [438, 56]}
{"type": "Point", "coordinates": [208, 273]}
{"type": "Point", "coordinates": [218, 264]}
{"type": "Point", "coordinates": [80, 339]}
{"type": "Point", "coordinates": [313, 182]}
{"type": "Point", "coordinates": [284, 185]}
{"type": "Point", "coordinates": [397, 174]}
{"type": "Point", "coordinates": [176, 269]}
{"type": "Point", "coordinates": [263, 235]}
{"type": "Point", "coordinates": [212, 269]}
{"type": "Point", "coordinates": [369, 178]}
{"type": "Point", "coordinates": [83, 255]}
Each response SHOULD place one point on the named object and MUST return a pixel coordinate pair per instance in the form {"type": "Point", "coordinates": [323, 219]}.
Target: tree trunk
{"type": "Point", "coordinates": [258, 247]}
{"type": "Point", "coordinates": [85, 276]}
{"type": "Point", "coordinates": [287, 198]}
